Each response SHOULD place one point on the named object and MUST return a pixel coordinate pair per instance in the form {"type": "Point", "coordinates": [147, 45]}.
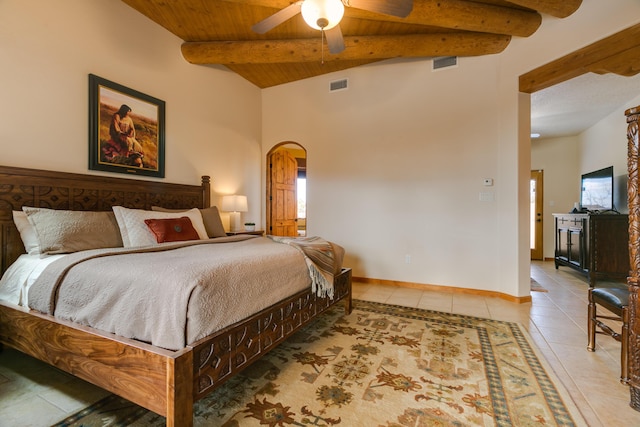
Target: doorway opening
{"type": "Point", "coordinates": [535, 189]}
{"type": "Point", "coordinates": [286, 204]}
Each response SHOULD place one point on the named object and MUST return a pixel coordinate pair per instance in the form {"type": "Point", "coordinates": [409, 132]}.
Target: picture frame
{"type": "Point", "coordinates": [126, 129]}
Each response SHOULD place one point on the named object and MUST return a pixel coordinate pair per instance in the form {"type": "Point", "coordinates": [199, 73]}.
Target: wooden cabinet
{"type": "Point", "coordinates": [596, 245]}
{"type": "Point", "coordinates": [571, 241]}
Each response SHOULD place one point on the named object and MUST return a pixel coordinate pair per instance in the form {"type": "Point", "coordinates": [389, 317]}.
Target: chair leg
{"type": "Point", "coordinates": [624, 352]}
{"type": "Point", "coordinates": [591, 324]}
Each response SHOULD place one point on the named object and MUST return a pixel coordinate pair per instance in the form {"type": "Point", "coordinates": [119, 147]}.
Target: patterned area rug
{"type": "Point", "coordinates": [381, 366]}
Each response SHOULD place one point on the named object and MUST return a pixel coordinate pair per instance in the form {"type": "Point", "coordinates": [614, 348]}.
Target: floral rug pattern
{"type": "Point", "coordinates": [381, 366]}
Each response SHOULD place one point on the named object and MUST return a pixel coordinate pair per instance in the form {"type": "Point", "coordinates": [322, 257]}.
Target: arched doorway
{"type": "Point", "coordinates": [286, 204]}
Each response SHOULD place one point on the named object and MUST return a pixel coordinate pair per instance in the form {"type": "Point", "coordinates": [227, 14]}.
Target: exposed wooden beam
{"type": "Point", "coordinates": [456, 14]}
{"type": "Point", "coordinates": [625, 63]}
{"type": "Point", "coordinates": [365, 47]}
{"type": "Point", "coordinates": [222, 30]}
{"type": "Point", "coordinates": [557, 8]}
{"type": "Point", "coordinates": [472, 16]}
{"type": "Point", "coordinates": [616, 49]}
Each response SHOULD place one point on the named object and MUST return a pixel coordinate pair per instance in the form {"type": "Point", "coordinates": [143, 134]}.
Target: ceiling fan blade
{"type": "Point", "coordinates": [399, 8]}
{"type": "Point", "coordinates": [277, 18]}
{"type": "Point", "coordinates": [335, 40]}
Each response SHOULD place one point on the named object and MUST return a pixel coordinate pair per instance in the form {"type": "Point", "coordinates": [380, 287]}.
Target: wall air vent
{"type": "Point", "coordinates": [444, 62]}
{"type": "Point", "coordinates": [338, 85]}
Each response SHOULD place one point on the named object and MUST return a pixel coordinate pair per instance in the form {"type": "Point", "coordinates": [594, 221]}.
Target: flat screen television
{"type": "Point", "coordinates": [596, 192]}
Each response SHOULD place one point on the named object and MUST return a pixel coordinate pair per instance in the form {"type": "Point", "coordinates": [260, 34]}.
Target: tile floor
{"type": "Point", "coordinates": [32, 394]}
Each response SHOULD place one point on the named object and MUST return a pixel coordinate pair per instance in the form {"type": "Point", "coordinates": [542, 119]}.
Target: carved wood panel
{"type": "Point", "coordinates": [231, 351]}
{"type": "Point", "coordinates": [633, 116]}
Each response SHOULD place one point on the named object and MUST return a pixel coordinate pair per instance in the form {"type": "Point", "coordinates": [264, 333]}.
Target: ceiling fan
{"type": "Point", "coordinates": [325, 15]}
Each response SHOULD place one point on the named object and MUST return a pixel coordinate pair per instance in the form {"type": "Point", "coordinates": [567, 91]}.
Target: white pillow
{"type": "Point", "coordinates": [27, 233]}
{"type": "Point", "coordinates": [65, 231]}
{"type": "Point", "coordinates": [135, 232]}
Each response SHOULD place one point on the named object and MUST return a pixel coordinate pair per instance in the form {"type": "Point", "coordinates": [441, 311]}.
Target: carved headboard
{"type": "Point", "coordinates": [60, 190]}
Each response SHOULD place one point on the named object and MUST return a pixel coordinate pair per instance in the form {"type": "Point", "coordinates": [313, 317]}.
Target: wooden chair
{"type": "Point", "coordinates": [616, 300]}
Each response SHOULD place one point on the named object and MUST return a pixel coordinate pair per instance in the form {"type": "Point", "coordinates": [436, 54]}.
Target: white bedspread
{"type": "Point", "coordinates": [175, 297]}
{"type": "Point", "coordinates": [167, 298]}
{"type": "Point", "coordinates": [15, 283]}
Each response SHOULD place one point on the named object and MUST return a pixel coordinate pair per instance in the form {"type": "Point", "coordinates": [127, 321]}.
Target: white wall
{"type": "Point", "coordinates": [380, 166]}
{"type": "Point", "coordinates": [396, 162]}
{"type": "Point", "coordinates": [48, 48]}
{"type": "Point", "coordinates": [605, 144]}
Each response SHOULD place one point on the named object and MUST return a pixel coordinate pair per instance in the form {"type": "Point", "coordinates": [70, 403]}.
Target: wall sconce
{"type": "Point", "coordinates": [235, 204]}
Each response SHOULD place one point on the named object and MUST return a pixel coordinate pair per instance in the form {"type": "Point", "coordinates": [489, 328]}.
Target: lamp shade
{"type": "Point", "coordinates": [322, 14]}
{"type": "Point", "coordinates": [234, 203]}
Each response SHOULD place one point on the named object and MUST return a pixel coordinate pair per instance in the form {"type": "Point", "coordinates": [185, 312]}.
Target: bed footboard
{"type": "Point", "coordinates": [157, 379]}
{"type": "Point", "coordinates": [218, 358]}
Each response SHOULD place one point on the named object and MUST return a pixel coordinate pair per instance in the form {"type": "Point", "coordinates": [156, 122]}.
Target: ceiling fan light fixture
{"type": "Point", "coordinates": [322, 14]}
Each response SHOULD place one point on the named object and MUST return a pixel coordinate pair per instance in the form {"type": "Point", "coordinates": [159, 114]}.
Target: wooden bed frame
{"type": "Point", "coordinates": [163, 381]}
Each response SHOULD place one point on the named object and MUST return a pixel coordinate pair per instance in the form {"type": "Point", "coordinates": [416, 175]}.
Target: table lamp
{"type": "Point", "coordinates": [235, 204]}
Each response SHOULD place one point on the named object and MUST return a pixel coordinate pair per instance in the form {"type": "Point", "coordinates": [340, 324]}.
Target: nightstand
{"type": "Point", "coordinates": [235, 233]}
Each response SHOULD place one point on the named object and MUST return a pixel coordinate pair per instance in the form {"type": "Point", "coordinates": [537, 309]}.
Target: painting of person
{"type": "Point", "coordinates": [126, 129]}
{"type": "Point", "coordinates": [123, 132]}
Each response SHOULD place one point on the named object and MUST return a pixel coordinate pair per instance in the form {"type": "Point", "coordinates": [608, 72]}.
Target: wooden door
{"type": "Point", "coordinates": [284, 203]}
{"type": "Point", "coordinates": [536, 215]}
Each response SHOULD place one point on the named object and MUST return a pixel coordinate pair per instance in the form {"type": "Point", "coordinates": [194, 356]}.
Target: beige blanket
{"type": "Point", "coordinates": [170, 296]}
{"type": "Point", "coordinates": [323, 258]}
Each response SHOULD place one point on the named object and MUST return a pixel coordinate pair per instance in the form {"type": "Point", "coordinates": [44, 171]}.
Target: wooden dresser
{"type": "Point", "coordinates": [594, 244]}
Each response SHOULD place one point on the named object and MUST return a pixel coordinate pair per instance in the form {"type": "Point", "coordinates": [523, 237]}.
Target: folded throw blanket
{"type": "Point", "coordinates": [323, 260]}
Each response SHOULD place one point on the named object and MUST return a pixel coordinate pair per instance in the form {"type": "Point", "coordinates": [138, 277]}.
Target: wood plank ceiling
{"type": "Point", "coordinates": [219, 32]}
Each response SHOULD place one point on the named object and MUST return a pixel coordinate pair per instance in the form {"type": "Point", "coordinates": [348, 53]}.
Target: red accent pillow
{"type": "Point", "coordinates": [172, 229]}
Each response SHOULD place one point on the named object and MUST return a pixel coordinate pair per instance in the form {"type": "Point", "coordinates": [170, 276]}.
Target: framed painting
{"type": "Point", "coordinates": [126, 130]}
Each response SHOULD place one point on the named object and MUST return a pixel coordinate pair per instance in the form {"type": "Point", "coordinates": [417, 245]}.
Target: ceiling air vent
{"type": "Point", "coordinates": [445, 62]}
{"type": "Point", "coordinates": [338, 85]}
